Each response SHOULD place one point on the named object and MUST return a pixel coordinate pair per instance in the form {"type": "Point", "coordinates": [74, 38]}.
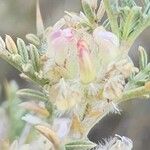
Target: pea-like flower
{"type": "Point", "coordinates": [87, 71]}
{"type": "Point", "coordinates": [58, 43]}
{"type": "Point", "coordinates": [108, 44]}
{"type": "Point", "coordinates": [61, 37]}
{"type": "Point", "coordinates": [61, 55]}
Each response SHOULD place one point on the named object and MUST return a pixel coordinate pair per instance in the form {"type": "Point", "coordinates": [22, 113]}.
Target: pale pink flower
{"type": "Point", "coordinates": [59, 42]}
{"type": "Point", "coordinates": [108, 44]}
{"type": "Point", "coordinates": [61, 38]}
{"type": "Point", "coordinates": [105, 39]}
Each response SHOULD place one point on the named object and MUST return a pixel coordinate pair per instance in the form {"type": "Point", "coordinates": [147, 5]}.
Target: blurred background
{"type": "Point", "coordinates": [17, 18]}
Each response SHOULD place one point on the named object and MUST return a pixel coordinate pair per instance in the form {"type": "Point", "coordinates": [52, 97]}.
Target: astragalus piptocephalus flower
{"type": "Point", "coordinates": [83, 69]}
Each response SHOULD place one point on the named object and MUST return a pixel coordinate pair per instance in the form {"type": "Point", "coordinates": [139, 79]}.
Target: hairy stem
{"type": "Point", "coordinates": [134, 93]}
{"type": "Point", "coordinates": [128, 95]}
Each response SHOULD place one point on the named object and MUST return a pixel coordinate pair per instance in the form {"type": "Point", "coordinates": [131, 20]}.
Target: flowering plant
{"type": "Point", "coordinates": [83, 71]}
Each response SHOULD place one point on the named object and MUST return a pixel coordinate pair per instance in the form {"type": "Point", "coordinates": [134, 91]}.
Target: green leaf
{"type": "Point", "coordinates": [146, 2]}
{"type": "Point", "coordinates": [10, 44]}
{"type": "Point", "coordinates": [88, 11]}
{"type": "Point", "coordinates": [147, 8]}
{"type": "Point", "coordinates": [34, 56]}
{"type": "Point", "coordinates": [39, 21]}
{"type": "Point", "coordinates": [143, 61]}
{"type": "Point", "coordinates": [80, 145]}
{"type": "Point", "coordinates": [14, 113]}
{"type": "Point", "coordinates": [32, 94]}
{"type": "Point", "coordinates": [28, 68]}
{"type": "Point", "coordinates": [131, 17]}
{"type": "Point", "coordinates": [129, 3]}
{"type": "Point", "coordinates": [17, 59]}
{"type": "Point", "coordinates": [111, 10]}
{"type": "Point", "coordinates": [33, 39]}
{"type": "Point", "coordinates": [143, 75]}
{"type": "Point", "coordinates": [101, 11]}
{"type": "Point", "coordinates": [23, 50]}
{"type": "Point", "coordinates": [2, 43]}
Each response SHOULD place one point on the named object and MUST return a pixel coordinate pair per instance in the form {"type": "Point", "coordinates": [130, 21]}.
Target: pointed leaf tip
{"type": "Point", "coordinates": [10, 44]}
{"type": "Point", "coordinates": [143, 58]}
{"type": "Point", "coordinates": [39, 20]}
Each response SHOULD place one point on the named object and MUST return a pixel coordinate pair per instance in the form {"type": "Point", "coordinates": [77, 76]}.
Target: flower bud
{"type": "Point", "coordinates": [108, 44]}
{"type": "Point", "coordinates": [87, 72]}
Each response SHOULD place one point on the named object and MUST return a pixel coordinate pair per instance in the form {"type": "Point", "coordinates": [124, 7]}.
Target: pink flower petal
{"type": "Point", "coordinates": [68, 34]}
{"type": "Point", "coordinates": [56, 34]}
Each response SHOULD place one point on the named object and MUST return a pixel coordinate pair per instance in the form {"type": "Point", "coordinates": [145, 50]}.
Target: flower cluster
{"type": "Point", "coordinates": [83, 69]}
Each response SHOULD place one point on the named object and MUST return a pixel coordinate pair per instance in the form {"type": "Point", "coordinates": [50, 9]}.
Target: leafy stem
{"type": "Point", "coordinates": [135, 93]}
{"type": "Point", "coordinates": [7, 57]}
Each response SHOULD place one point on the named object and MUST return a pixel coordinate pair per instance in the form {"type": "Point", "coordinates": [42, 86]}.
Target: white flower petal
{"type": "Point", "coordinates": [34, 120]}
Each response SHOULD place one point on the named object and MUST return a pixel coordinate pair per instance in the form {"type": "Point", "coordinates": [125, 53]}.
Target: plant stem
{"type": "Point", "coordinates": [134, 93]}
{"type": "Point", "coordinates": [128, 95]}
